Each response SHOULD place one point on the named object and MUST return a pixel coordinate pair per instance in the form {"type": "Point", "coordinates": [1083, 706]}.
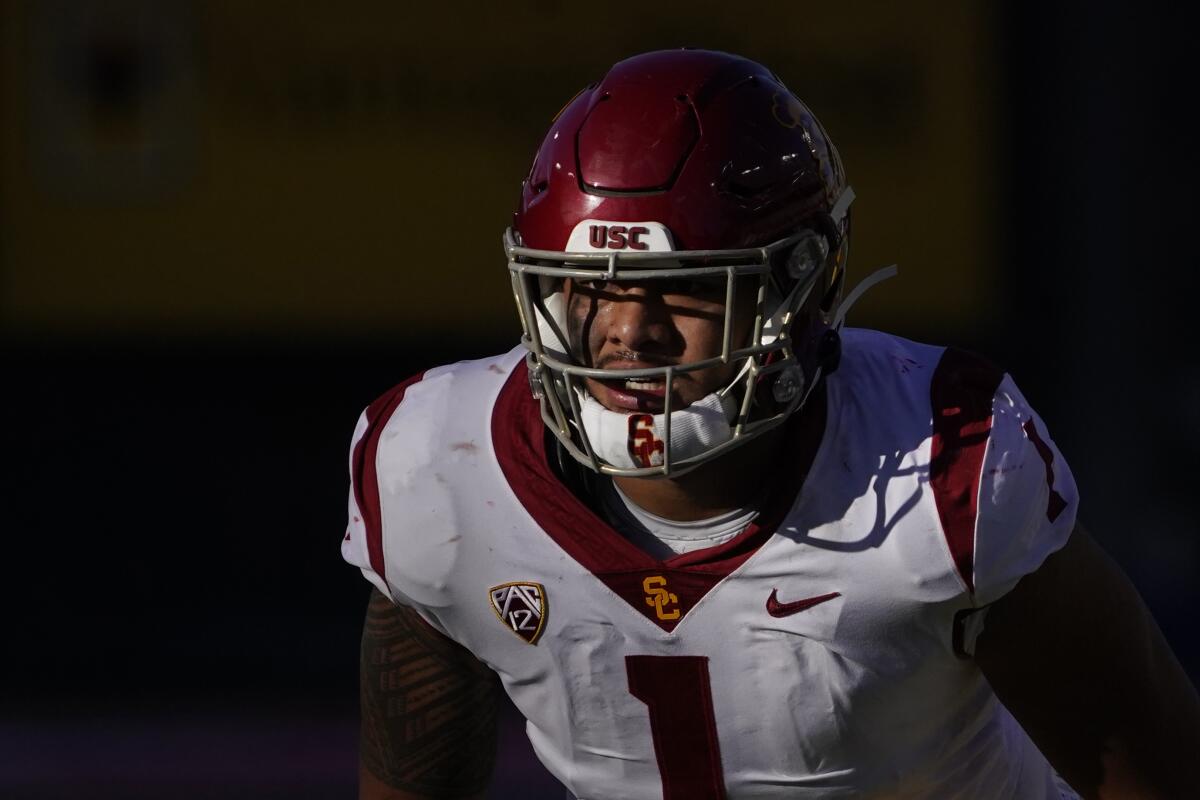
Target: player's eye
{"type": "Point", "coordinates": [702, 288]}
{"type": "Point", "coordinates": [699, 287]}
{"type": "Point", "coordinates": [600, 285]}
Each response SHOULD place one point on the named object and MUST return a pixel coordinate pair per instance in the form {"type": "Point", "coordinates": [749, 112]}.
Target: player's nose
{"type": "Point", "coordinates": [639, 320]}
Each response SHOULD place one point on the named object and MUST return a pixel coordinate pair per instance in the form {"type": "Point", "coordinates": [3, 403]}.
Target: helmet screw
{"type": "Point", "coordinates": [788, 385]}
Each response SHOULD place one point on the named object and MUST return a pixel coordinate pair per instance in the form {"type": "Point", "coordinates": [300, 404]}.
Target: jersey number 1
{"type": "Point", "coordinates": [678, 693]}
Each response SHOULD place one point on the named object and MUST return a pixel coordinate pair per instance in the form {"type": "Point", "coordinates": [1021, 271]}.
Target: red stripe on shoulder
{"type": "Point", "coordinates": [961, 396]}
{"type": "Point", "coordinates": [1057, 503]}
{"type": "Point", "coordinates": [366, 482]}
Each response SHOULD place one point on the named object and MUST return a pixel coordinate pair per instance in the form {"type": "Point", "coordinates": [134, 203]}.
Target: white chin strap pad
{"type": "Point", "coordinates": [634, 441]}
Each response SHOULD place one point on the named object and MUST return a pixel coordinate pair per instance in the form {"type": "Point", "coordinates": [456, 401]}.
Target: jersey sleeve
{"type": "Point", "coordinates": [1027, 497]}
{"type": "Point", "coordinates": [363, 543]}
{"type": "Point", "coordinates": [1004, 495]}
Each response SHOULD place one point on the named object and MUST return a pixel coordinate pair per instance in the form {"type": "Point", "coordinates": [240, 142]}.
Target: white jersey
{"type": "Point", "coordinates": [820, 653]}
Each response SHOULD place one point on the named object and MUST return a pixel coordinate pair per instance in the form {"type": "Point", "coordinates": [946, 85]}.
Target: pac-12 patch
{"type": "Point", "coordinates": [521, 606]}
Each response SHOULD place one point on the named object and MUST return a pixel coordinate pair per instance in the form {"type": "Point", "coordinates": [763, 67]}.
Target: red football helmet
{"type": "Point", "coordinates": [685, 163]}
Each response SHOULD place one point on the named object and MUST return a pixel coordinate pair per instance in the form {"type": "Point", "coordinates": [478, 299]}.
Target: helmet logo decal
{"type": "Point", "coordinates": [592, 235]}
{"type": "Point", "coordinates": [645, 448]}
{"type": "Point", "coordinates": [618, 237]}
{"type": "Point", "coordinates": [521, 606]}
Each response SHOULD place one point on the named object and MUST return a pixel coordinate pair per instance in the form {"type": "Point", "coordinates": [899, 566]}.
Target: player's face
{"type": "Point", "coordinates": [654, 323]}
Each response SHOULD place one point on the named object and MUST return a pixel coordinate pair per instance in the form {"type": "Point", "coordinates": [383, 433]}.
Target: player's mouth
{"type": "Point", "coordinates": [632, 394]}
{"type": "Point", "coordinates": [644, 386]}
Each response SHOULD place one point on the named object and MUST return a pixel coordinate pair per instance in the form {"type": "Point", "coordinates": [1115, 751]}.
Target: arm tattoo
{"type": "Point", "coordinates": [428, 706]}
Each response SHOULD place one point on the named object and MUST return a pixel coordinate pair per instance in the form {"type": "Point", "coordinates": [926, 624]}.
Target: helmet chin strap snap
{"type": "Point", "coordinates": [788, 385]}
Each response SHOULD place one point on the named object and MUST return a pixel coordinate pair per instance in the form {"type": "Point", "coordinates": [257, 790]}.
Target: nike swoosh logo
{"type": "Point", "coordinates": [778, 609]}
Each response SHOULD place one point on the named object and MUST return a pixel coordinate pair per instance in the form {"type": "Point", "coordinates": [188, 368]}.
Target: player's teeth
{"type": "Point", "coordinates": [643, 385]}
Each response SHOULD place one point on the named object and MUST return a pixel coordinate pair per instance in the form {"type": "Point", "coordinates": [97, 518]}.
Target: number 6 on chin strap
{"type": "Point", "coordinates": [677, 691]}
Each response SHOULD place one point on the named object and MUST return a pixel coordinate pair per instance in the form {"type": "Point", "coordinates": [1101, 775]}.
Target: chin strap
{"type": "Point", "coordinates": [634, 441]}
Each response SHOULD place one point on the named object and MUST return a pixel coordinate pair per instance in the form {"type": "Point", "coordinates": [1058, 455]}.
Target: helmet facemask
{"type": "Point", "coordinates": [787, 277]}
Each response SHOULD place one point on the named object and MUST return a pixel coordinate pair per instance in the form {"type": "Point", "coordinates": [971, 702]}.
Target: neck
{"type": "Point", "coordinates": [736, 479]}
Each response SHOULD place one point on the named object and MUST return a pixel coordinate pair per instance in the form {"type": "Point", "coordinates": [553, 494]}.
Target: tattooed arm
{"type": "Point", "coordinates": [428, 711]}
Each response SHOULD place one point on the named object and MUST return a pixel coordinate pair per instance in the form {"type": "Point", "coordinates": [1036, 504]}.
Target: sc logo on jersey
{"type": "Point", "coordinates": [521, 606]}
{"type": "Point", "coordinates": [658, 598]}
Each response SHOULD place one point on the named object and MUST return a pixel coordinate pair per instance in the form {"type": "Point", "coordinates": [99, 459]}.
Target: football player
{"type": "Point", "coordinates": [710, 542]}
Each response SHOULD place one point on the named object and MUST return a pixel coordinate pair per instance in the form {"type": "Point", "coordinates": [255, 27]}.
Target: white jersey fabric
{"type": "Point", "coordinates": [820, 653]}
{"type": "Point", "coordinates": [664, 537]}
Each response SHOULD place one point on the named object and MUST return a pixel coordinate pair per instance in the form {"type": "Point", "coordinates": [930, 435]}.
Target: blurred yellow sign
{"type": "Point", "coordinates": [198, 168]}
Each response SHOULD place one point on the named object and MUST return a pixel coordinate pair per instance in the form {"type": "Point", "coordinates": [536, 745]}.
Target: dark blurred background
{"type": "Point", "coordinates": [226, 227]}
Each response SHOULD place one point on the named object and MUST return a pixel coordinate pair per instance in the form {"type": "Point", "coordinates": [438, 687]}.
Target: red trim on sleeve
{"type": "Point", "coordinates": [519, 438]}
{"type": "Point", "coordinates": [363, 477]}
{"type": "Point", "coordinates": [961, 396]}
{"type": "Point", "coordinates": [1056, 503]}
